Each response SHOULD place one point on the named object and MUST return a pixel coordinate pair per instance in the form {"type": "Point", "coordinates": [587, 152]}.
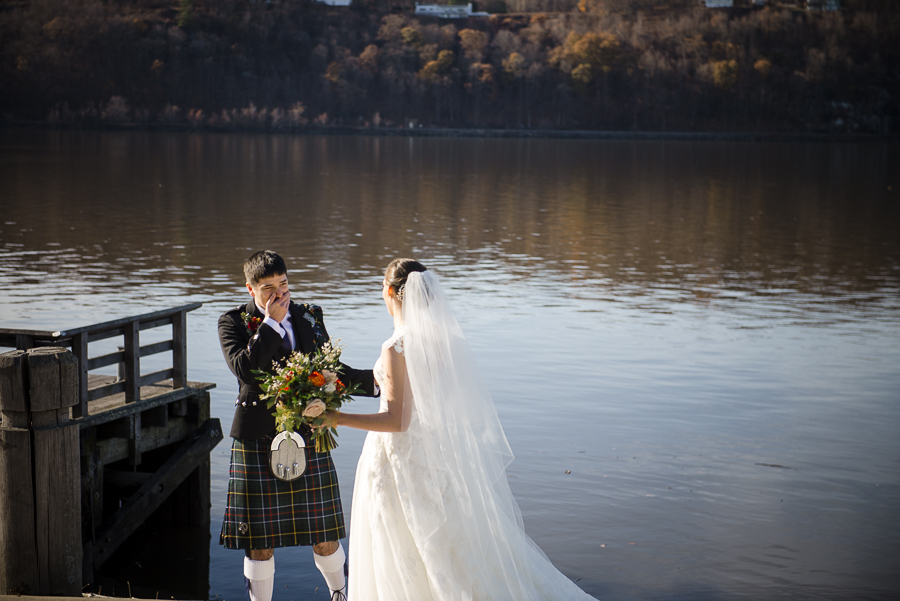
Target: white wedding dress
{"type": "Point", "coordinates": [433, 518]}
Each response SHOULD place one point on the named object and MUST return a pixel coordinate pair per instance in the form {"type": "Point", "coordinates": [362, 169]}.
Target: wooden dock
{"type": "Point", "coordinates": [85, 459]}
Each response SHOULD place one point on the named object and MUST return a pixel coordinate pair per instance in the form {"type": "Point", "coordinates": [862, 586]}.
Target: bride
{"type": "Point", "coordinates": [433, 517]}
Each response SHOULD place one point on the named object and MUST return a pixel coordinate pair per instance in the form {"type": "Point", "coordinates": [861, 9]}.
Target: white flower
{"type": "Point", "coordinates": [331, 352]}
{"type": "Point", "coordinates": [315, 408]}
{"type": "Point", "coordinates": [329, 388]}
{"type": "Point", "coordinates": [330, 376]}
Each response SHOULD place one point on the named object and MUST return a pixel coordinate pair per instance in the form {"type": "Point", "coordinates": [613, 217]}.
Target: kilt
{"type": "Point", "coordinates": [263, 512]}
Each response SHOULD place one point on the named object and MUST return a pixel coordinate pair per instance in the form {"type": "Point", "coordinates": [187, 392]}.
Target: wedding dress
{"type": "Point", "coordinates": [433, 518]}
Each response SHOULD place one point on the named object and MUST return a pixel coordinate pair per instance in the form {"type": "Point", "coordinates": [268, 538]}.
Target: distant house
{"type": "Point", "coordinates": [447, 11]}
{"type": "Point", "coordinates": [717, 3]}
{"type": "Point", "coordinates": [823, 4]}
{"type": "Point", "coordinates": [336, 2]}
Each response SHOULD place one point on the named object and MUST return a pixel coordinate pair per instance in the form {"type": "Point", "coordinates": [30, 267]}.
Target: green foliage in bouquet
{"type": "Point", "coordinates": [302, 388]}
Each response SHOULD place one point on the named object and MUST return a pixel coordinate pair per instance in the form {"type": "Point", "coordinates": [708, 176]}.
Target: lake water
{"type": "Point", "coordinates": [694, 347]}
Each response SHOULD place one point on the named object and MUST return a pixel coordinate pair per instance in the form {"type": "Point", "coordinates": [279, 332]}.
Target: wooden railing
{"type": "Point", "coordinates": [129, 358]}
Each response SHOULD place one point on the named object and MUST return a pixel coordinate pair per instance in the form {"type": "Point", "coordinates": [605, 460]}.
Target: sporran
{"type": "Point", "coordinates": [287, 456]}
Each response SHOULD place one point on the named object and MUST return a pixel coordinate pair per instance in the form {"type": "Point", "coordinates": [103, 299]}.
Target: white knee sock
{"type": "Point", "coordinates": [261, 574]}
{"type": "Point", "coordinates": [332, 568]}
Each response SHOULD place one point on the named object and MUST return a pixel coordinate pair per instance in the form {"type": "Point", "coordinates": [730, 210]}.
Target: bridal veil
{"type": "Point", "coordinates": [465, 538]}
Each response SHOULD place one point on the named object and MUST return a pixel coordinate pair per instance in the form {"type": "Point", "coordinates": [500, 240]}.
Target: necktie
{"type": "Point", "coordinates": [286, 341]}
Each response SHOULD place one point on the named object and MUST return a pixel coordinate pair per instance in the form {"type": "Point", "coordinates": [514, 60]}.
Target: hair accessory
{"type": "Point", "coordinates": [400, 292]}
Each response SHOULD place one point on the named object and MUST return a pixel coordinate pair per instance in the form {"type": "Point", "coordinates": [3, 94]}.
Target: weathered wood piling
{"type": "Point", "coordinates": [86, 459]}
{"type": "Point", "coordinates": [40, 527]}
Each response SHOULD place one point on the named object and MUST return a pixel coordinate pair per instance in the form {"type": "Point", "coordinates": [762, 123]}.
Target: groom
{"type": "Point", "coordinates": [263, 512]}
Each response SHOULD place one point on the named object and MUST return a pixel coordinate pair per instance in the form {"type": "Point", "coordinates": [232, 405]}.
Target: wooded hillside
{"type": "Point", "coordinates": [604, 64]}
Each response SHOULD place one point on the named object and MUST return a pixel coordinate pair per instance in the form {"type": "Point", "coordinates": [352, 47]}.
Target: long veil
{"type": "Point", "coordinates": [452, 471]}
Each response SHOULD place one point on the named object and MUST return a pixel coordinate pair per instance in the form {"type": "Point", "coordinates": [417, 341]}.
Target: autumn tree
{"type": "Point", "coordinates": [473, 44]}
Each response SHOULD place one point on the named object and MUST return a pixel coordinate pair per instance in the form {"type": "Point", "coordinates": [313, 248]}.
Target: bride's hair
{"type": "Point", "coordinates": [397, 272]}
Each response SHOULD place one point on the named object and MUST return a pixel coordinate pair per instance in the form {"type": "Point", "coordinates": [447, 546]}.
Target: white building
{"type": "Point", "coordinates": [823, 4]}
{"type": "Point", "coordinates": [717, 3]}
{"type": "Point", "coordinates": [447, 11]}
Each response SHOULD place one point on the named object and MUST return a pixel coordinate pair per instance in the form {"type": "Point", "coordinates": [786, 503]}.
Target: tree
{"type": "Point", "coordinates": [592, 53]}
{"type": "Point", "coordinates": [368, 59]}
{"type": "Point", "coordinates": [473, 43]}
{"type": "Point", "coordinates": [763, 67]}
{"type": "Point", "coordinates": [412, 36]}
{"type": "Point", "coordinates": [185, 12]}
{"type": "Point", "coordinates": [433, 70]}
{"type": "Point", "coordinates": [725, 74]}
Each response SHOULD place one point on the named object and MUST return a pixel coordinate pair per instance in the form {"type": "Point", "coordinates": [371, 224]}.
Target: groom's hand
{"type": "Point", "coordinates": [277, 305]}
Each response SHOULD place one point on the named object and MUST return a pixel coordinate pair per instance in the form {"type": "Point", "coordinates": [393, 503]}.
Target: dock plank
{"type": "Point", "coordinates": [115, 407]}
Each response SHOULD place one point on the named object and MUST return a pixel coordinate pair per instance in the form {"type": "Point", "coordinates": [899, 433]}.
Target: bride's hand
{"type": "Point", "coordinates": [331, 419]}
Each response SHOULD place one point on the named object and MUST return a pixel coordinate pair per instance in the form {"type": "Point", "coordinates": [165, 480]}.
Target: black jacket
{"type": "Point", "coordinates": [245, 352]}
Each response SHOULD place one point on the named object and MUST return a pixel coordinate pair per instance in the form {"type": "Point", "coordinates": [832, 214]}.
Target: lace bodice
{"type": "Point", "coordinates": [395, 342]}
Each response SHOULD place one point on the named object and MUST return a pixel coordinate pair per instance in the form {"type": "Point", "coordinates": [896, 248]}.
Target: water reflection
{"type": "Point", "coordinates": [768, 217]}
{"type": "Point", "coordinates": [693, 313]}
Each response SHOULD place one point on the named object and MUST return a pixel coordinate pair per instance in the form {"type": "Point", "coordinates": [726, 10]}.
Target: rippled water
{"type": "Point", "coordinates": [694, 347]}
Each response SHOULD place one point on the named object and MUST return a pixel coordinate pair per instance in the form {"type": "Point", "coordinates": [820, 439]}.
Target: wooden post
{"type": "Point", "coordinates": [193, 499]}
{"type": "Point", "coordinates": [40, 484]}
{"type": "Point", "coordinates": [24, 342]}
{"type": "Point", "coordinates": [91, 498]}
{"type": "Point", "coordinates": [132, 362]}
{"type": "Point", "coordinates": [200, 480]}
{"type": "Point", "coordinates": [80, 350]}
{"type": "Point", "coordinates": [134, 442]}
{"type": "Point", "coordinates": [179, 349]}
{"type": "Point", "coordinates": [133, 387]}
{"type": "Point", "coordinates": [18, 552]}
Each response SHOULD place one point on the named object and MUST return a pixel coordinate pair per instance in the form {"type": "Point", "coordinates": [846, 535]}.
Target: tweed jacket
{"type": "Point", "coordinates": [245, 352]}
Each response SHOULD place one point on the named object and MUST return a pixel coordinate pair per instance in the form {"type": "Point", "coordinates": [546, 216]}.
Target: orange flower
{"type": "Point", "coordinates": [317, 379]}
{"type": "Point", "coordinates": [338, 386]}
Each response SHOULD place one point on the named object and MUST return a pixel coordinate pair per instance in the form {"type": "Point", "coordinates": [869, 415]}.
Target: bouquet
{"type": "Point", "coordinates": [303, 388]}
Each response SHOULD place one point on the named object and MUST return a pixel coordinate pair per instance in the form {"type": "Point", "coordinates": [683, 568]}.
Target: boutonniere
{"type": "Point", "coordinates": [251, 322]}
{"type": "Point", "coordinates": [309, 317]}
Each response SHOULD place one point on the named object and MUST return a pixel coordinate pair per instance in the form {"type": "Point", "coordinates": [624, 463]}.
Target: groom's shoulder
{"type": "Point", "coordinates": [310, 312]}
{"type": "Point", "coordinates": [232, 314]}
{"type": "Point", "coordinates": [235, 311]}
{"type": "Point", "coordinates": [310, 308]}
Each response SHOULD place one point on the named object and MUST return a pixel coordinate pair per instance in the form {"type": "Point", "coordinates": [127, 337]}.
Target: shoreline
{"type": "Point", "coordinates": [446, 132]}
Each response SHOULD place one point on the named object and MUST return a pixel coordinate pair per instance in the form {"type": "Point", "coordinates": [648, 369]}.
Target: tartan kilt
{"type": "Point", "coordinates": [263, 512]}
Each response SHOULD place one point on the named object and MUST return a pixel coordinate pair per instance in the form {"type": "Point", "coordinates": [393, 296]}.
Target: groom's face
{"type": "Point", "coordinates": [266, 288]}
